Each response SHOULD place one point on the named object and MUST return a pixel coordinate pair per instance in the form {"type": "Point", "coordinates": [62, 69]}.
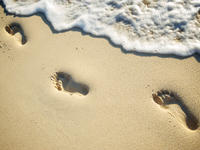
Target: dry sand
{"type": "Point", "coordinates": [118, 113]}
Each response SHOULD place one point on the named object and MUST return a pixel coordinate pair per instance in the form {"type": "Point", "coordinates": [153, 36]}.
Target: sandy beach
{"type": "Point", "coordinates": [117, 112]}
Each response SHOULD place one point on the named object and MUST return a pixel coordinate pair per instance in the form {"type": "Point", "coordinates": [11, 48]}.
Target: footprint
{"type": "Point", "coordinates": [64, 82]}
{"type": "Point", "coordinates": [16, 30]}
{"type": "Point", "coordinates": [176, 108]}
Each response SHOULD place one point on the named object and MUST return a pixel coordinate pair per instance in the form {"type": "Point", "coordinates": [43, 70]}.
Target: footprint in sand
{"type": "Point", "coordinates": [64, 82]}
{"type": "Point", "coordinates": [176, 108]}
{"type": "Point", "coordinates": [16, 30]}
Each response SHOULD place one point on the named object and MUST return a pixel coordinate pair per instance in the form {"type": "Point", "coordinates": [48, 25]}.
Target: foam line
{"type": "Point", "coordinates": [137, 25]}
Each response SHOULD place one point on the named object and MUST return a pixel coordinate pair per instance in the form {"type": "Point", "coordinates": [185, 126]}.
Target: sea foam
{"type": "Point", "coordinates": [150, 26]}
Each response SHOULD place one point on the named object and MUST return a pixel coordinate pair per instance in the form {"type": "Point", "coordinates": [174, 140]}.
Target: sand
{"type": "Point", "coordinates": [117, 113]}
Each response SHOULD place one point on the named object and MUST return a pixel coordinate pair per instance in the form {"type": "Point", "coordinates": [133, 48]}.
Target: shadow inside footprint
{"type": "Point", "coordinates": [14, 28]}
{"type": "Point", "coordinates": [64, 81]}
{"type": "Point", "coordinates": [164, 98]}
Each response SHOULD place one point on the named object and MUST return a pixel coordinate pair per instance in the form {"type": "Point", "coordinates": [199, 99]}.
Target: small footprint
{"type": "Point", "coordinates": [64, 82]}
{"type": "Point", "coordinates": [16, 30]}
{"type": "Point", "coordinates": [176, 108]}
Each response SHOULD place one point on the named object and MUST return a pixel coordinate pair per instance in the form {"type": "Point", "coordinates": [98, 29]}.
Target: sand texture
{"type": "Point", "coordinates": [71, 91]}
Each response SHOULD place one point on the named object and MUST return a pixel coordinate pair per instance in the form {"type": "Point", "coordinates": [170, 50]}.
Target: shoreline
{"type": "Point", "coordinates": [77, 29]}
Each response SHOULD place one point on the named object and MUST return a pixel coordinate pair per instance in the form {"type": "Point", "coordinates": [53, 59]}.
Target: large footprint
{"type": "Point", "coordinates": [16, 30]}
{"type": "Point", "coordinates": [176, 108]}
{"type": "Point", "coordinates": [64, 82]}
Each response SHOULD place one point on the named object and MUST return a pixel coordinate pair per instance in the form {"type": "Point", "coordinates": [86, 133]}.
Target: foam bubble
{"type": "Point", "coordinates": [150, 26]}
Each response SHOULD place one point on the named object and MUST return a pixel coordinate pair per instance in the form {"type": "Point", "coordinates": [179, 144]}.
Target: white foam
{"type": "Point", "coordinates": [160, 26]}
